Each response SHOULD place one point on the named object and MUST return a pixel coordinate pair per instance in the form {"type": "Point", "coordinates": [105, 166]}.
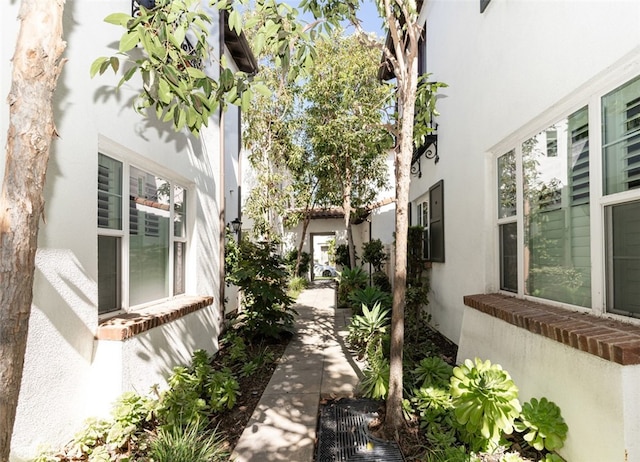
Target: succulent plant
{"type": "Point", "coordinates": [543, 423]}
{"type": "Point", "coordinates": [485, 398]}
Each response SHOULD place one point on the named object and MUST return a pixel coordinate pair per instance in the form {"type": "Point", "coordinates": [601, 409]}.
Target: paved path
{"type": "Point", "coordinates": [315, 365]}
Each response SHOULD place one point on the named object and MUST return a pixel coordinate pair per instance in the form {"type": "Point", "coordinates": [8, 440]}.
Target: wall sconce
{"type": "Point", "coordinates": [236, 225]}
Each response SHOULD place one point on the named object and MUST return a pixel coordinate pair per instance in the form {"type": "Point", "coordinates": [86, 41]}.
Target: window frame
{"type": "Point", "coordinates": [129, 159]}
{"type": "Point", "coordinates": [590, 95]}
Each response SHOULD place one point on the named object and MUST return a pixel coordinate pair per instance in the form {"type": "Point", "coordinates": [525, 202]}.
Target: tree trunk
{"type": "Point", "coordinates": [36, 67]}
{"type": "Point", "coordinates": [407, 94]}
{"type": "Point", "coordinates": [305, 225]}
{"type": "Point", "coordinates": [346, 206]}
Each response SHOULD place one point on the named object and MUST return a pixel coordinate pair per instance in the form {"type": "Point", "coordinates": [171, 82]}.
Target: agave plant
{"type": "Point", "coordinates": [369, 296]}
{"type": "Point", "coordinates": [545, 427]}
{"type": "Point", "coordinates": [486, 400]}
{"type": "Point", "coordinates": [371, 325]}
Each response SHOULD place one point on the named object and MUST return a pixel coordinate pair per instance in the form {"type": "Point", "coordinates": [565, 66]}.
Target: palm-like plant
{"type": "Point", "coordinates": [368, 327]}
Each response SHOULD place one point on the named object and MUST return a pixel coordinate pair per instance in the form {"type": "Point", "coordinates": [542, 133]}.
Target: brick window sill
{"type": "Point", "coordinates": [607, 338]}
{"type": "Point", "coordinates": [126, 325]}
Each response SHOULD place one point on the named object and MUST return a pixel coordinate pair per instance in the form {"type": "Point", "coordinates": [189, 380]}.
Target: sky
{"type": "Point", "coordinates": [368, 14]}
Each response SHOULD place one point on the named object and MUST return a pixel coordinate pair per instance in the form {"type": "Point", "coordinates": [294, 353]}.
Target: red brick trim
{"type": "Point", "coordinates": [127, 325]}
{"type": "Point", "coordinates": [607, 338]}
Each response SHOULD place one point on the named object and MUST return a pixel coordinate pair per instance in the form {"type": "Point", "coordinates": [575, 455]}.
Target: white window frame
{"type": "Point", "coordinates": [130, 159]}
{"type": "Point", "coordinates": [589, 95]}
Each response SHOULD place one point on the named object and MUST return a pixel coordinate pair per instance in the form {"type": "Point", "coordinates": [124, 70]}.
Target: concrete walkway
{"type": "Point", "coordinates": [316, 365]}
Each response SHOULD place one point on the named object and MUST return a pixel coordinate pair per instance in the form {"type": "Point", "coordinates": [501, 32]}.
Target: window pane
{"type": "Point", "coordinates": [178, 267]}
{"type": "Point", "coordinates": [556, 209]}
{"type": "Point", "coordinates": [109, 298]}
{"type": "Point", "coordinates": [509, 257]}
{"type": "Point", "coordinates": [149, 237]}
{"type": "Point", "coordinates": [624, 259]}
{"type": "Point", "coordinates": [179, 211]}
{"type": "Point", "coordinates": [109, 193]}
{"type": "Point", "coordinates": [507, 185]}
{"type": "Point", "coordinates": [621, 133]}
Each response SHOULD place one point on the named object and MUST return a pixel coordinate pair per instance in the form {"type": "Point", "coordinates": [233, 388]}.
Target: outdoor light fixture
{"type": "Point", "coordinates": [236, 225]}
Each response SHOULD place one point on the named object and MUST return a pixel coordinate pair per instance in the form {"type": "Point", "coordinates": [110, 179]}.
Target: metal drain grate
{"type": "Point", "coordinates": [343, 434]}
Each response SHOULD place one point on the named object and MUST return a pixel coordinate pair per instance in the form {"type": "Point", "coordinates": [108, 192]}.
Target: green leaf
{"type": "Point", "coordinates": [235, 21]}
{"type": "Point", "coordinates": [127, 76]}
{"type": "Point", "coordinates": [164, 92]}
{"type": "Point", "coordinates": [96, 66]}
{"type": "Point", "coordinates": [119, 19]}
{"type": "Point", "coordinates": [262, 89]}
{"type": "Point", "coordinates": [179, 35]}
{"type": "Point", "coordinates": [115, 64]}
{"type": "Point", "coordinates": [245, 101]}
{"type": "Point", "coordinates": [196, 73]}
{"type": "Point", "coordinates": [129, 41]}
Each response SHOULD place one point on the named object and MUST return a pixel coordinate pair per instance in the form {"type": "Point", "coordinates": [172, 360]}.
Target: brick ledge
{"type": "Point", "coordinates": [127, 325]}
{"type": "Point", "coordinates": [607, 338]}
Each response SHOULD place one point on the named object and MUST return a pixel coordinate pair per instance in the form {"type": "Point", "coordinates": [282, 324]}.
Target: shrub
{"type": "Point", "coordinates": [290, 259]}
{"type": "Point", "coordinates": [373, 253]}
{"type": "Point", "coordinates": [342, 256]}
{"type": "Point", "coordinates": [187, 444]}
{"type": "Point", "coordinates": [369, 296]}
{"type": "Point", "coordinates": [433, 372]}
{"type": "Point", "coordinates": [349, 281]}
{"type": "Point", "coordinates": [381, 281]}
{"type": "Point", "coordinates": [260, 274]}
{"type": "Point", "coordinates": [297, 285]}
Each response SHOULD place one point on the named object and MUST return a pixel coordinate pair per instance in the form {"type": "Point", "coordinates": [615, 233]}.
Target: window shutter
{"type": "Point", "coordinates": [436, 222]}
{"type": "Point", "coordinates": [579, 152]}
{"type": "Point", "coordinates": [632, 132]}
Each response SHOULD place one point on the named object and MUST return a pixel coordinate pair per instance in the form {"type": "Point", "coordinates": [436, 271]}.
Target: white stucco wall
{"type": "Point", "coordinates": [504, 68]}
{"type": "Point", "coordinates": [63, 379]}
{"type": "Point", "coordinates": [599, 399]}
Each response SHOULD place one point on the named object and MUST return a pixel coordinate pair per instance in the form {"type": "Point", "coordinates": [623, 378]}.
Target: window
{"type": "Point", "coordinates": [546, 188]}
{"type": "Point", "coordinates": [507, 222]}
{"type": "Point", "coordinates": [621, 151]}
{"type": "Point", "coordinates": [436, 222]}
{"type": "Point", "coordinates": [154, 251]}
{"type": "Point", "coordinates": [557, 244]}
{"type": "Point", "coordinates": [422, 214]}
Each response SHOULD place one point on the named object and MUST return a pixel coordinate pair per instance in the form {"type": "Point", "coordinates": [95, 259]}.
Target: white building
{"type": "Point", "coordinates": [125, 289]}
{"type": "Point", "coordinates": [534, 203]}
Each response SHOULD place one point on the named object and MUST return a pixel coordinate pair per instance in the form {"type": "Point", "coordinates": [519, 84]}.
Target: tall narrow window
{"type": "Point", "coordinates": [149, 240]}
{"type": "Point", "coordinates": [436, 222]}
{"type": "Point", "coordinates": [109, 234]}
{"type": "Point", "coordinates": [180, 236]}
{"type": "Point", "coordinates": [507, 222]}
{"type": "Point", "coordinates": [556, 212]}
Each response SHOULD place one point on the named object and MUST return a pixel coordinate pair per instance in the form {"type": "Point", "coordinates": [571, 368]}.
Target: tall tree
{"type": "Point", "coordinates": [344, 123]}
{"type": "Point", "coordinates": [37, 65]}
{"type": "Point", "coordinates": [401, 18]}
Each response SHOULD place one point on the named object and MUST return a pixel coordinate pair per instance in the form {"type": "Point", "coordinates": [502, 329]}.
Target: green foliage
{"type": "Point", "coordinates": [485, 400]}
{"type": "Point", "coordinates": [433, 372]}
{"type": "Point", "coordinates": [290, 259]}
{"type": "Point", "coordinates": [375, 381]}
{"type": "Point", "coordinates": [195, 392]}
{"type": "Point", "coordinates": [187, 444]}
{"type": "Point", "coordinates": [342, 256]}
{"type": "Point", "coordinates": [369, 296]}
{"type": "Point", "coordinates": [297, 285]}
{"type": "Point", "coordinates": [259, 272]}
{"type": "Point", "coordinates": [349, 281]}
{"type": "Point", "coordinates": [174, 83]}
{"type": "Point", "coordinates": [543, 423]}
{"type": "Point", "coordinates": [368, 328]}
{"type": "Point", "coordinates": [381, 281]}
{"type": "Point", "coordinates": [373, 253]}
